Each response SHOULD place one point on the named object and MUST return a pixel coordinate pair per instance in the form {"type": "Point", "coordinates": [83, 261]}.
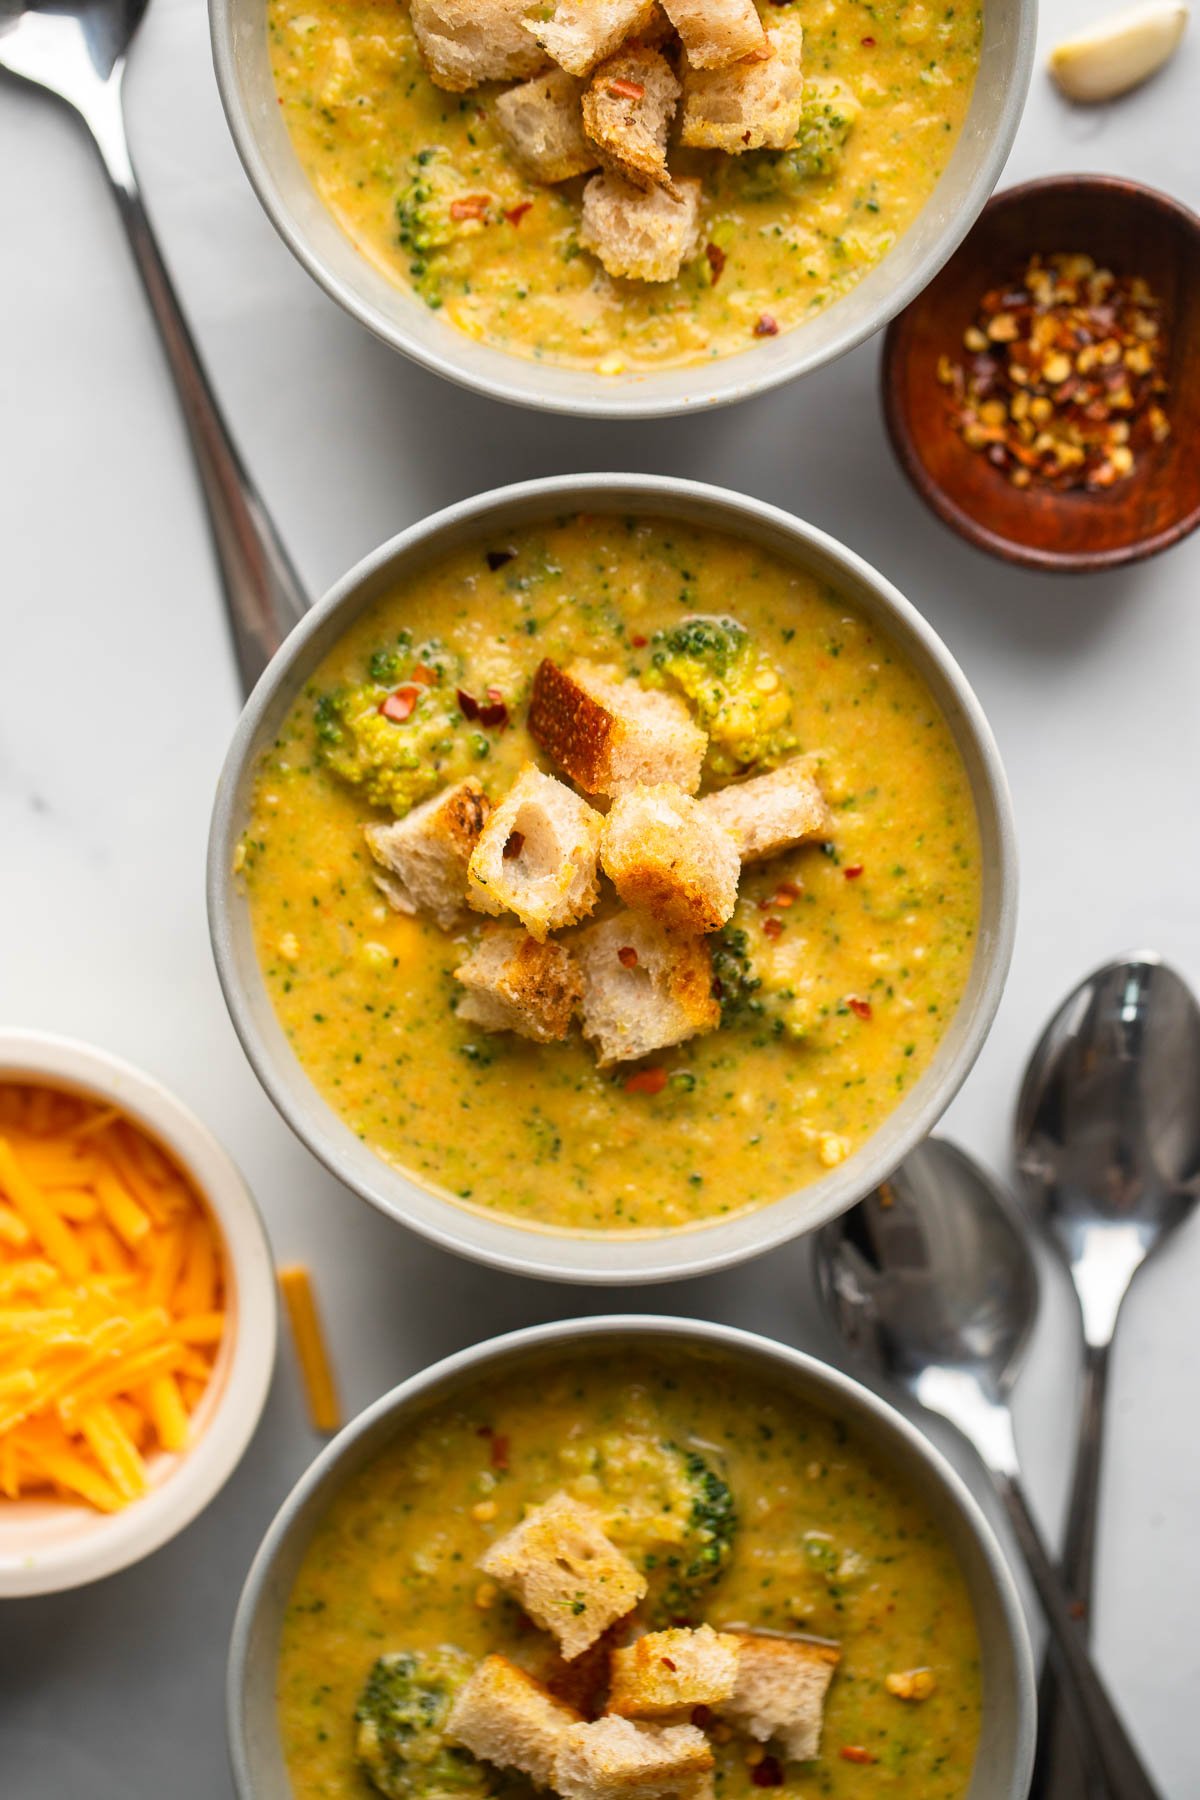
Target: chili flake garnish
{"type": "Point", "coordinates": [496, 559]}
{"type": "Point", "coordinates": [468, 705]}
{"type": "Point", "coordinates": [472, 206]}
{"type": "Point", "coordinates": [425, 675]}
{"type": "Point", "coordinates": [767, 1773]}
{"type": "Point", "coordinates": [1066, 370]}
{"type": "Point", "coordinates": [668, 1664]}
{"type": "Point", "coordinates": [868, 43]}
{"type": "Point", "coordinates": [627, 956]}
{"type": "Point", "coordinates": [646, 1081]}
{"type": "Point", "coordinates": [772, 928]}
{"type": "Point", "coordinates": [716, 260]}
{"type": "Point", "coordinates": [785, 895]}
{"type": "Point", "coordinates": [852, 871]}
{"type": "Point", "coordinates": [514, 843]}
{"type": "Point", "coordinates": [495, 713]}
{"type": "Point", "coordinates": [639, 642]}
{"type": "Point", "coordinates": [766, 326]}
{"type": "Point", "coordinates": [399, 706]}
{"type": "Point", "coordinates": [856, 1753]}
{"type": "Point", "coordinates": [515, 214]}
{"type": "Point", "coordinates": [499, 1451]}
{"type": "Point", "coordinates": [859, 1007]}
{"type": "Point", "coordinates": [626, 90]}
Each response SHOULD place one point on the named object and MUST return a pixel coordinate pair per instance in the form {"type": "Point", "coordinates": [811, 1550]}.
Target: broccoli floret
{"type": "Point", "coordinates": [826, 121]}
{"type": "Point", "coordinates": [433, 208]}
{"type": "Point", "coordinates": [742, 700]}
{"type": "Point", "coordinates": [667, 1508]}
{"type": "Point", "coordinates": [394, 760]}
{"type": "Point", "coordinates": [735, 984]}
{"type": "Point", "coordinates": [401, 1719]}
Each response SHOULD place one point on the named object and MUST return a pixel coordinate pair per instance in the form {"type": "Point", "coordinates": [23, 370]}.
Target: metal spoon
{"type": "Point", "coordinates": [1108, 1147]}
{"type": "Point", "coordinates": [77, 49]}
{"type": "Point", "coordinates": [931, 1282]}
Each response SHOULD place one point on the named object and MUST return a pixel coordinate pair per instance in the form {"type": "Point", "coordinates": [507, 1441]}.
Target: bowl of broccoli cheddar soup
{"type": "Point", "coordinates": [612, 877]}
{"type": "Point", "coordinates": [630, 1556]}
{"type": "Point", "coordinates": [627, 208]}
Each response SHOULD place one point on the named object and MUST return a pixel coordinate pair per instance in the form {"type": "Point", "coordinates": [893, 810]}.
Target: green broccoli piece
{"type": "Point", "coordinates": [742, 700]}
{"type": "Point", "coordinates": [826, 121]}
{"type": "Point", "coordinates": [668, 1509]}
{"type": "Point", "coordinates": [434, 208]}
{"type": "Point", "coordinates": [397, 760]}
{"type": "Point", "coordinates": [735, 984]}
{"type": "Point", "coordinates": [401, 1728]}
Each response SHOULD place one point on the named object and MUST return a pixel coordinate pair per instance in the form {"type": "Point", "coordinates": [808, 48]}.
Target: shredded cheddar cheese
{"type": "Point", "coordinates": [111, 1299]}
{"type": "Point", "coordinates": [309, 1340]}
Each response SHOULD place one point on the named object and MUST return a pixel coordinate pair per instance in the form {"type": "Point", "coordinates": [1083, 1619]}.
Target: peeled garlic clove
{"type": "Point", "coordinates": [1120, 52]}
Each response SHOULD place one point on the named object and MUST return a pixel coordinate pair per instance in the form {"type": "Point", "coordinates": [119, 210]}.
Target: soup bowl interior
{"type": "Point", "coordinates": [631, 1256]}
{"type": "Point", "coordinates": [400, 319]}
{"type": "Point", "coordinates": [1005, 1752]}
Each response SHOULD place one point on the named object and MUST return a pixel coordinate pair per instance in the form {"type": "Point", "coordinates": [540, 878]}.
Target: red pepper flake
{"type": "Point", "coordinates": [856, 1753]}
{"type": "Point", "coordinates": [515, 214]}
{"type": "Point", "coordinates": [860, 1008]}
{"type": "Point", "coordinates": [425, 675]}
{"type": "Point", "coordinates": [702, 1716]}
{"type": "Point", "coordinates": [868, 43]}
{"type": "Point", "coordinates": [514, 843]}
{"type": "Point", "coordinates": [398, 706]}
{"type": "Point", "coordinates": [772, 928]}
{"type": "Point", "coordinates": [496, 559]}
{"type": "Point", "coordinates": [494, 715]}
{"type": "Point", "coordinates": [668, 1664]}
{"type": "Point", "coordinates": [626, 90]}
{"type": "Point", "coordinates": [765, 326]}
{"type": "Point", "coordinates": [483, 1431]}
{"type": "Point", "coordinates": [852, 871]}
{"type": "Point", "coordinates": [716, 256]}
{"type": "Point", "coordinates": [639, 642]}
{"type": "Point", "coordinates": [499, 1451]}
{"type": "Point", "coordinates": [473, 206]}
{"type": "Point", "coordinates": [767, 1773]}
{"type": "Point", "coordinates": [468, 705]}
{"type": "Point", "coordinates": [646, 1081]}
{"type": "Point", "coordinates": [627, 956]}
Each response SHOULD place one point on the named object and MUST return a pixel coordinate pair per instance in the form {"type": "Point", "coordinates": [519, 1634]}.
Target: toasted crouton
{"type": "Point", "coordinates": [772, 812]}
{"type": "Point", "coordinates": [781, 1689]}
{"type": "Point", "coordinates": [614, 1759]}
{"type": "Point", "coordinates": [666, 856]}
{"type": "Point", "coordinates": [643, 236]}
{"type": "Point", "coordinates": [609, 734]}
{"type": "Point", "coordinates": [423, 858]}
{"type": "Point", "coordinates": [514, 983]}
{"type": "Point", "coordinates": [503, 1716]}
{"type": "Point", "coordinates": [644, 988]}
{"type": "Point", "coordinates": [668, 1672]}
{"type": "Point", "coordinates": [566, 1574]}
{"type": "Point", "coordinates": [464, 42]}
{"type": "Point", "coordinates": [717, 32]}
{"type": "Point", "coordinates": [580, 33]}
{"type": "Point", "coordinates": [542, 123]}
{"type": "Point", "coordinates": [627, 111]}
{"type": "Point", "coordinates": [536, 856]}
{"type": "Point", "coordinates": [752, 105]}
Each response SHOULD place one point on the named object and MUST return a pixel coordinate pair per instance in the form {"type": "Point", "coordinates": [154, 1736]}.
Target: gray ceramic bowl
{"type": "Point", "coordinates": [239, 38]}
{"type": "Point", "coordinates": [1005, 1755]}
{"type": "Point", "coordinates": [559, 1254]}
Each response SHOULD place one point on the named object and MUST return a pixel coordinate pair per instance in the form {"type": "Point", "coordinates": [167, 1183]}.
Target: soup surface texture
{"type": "Point", "coordinates": [860, 947]}
{"type": "Point", "coordinates": [826, 1541]}
{"type": "Point", "coordinates": [773, 243]}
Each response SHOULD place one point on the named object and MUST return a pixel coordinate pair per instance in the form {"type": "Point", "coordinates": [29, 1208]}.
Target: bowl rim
{"type": "Point", "coordinates": [879, 1422]}
{"type": "Point", "coordinates": [1173, 213]}
{"type": "Point", "coordinates": [715, 383]}
{"type": "Point", "coordinates": [114, 1541]}
{"type": "Point", "coordinates": [615, 1258]}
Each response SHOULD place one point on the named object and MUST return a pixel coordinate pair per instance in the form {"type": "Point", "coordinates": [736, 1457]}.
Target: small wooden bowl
{"type": "Point", "coordinates": [1130, 229]}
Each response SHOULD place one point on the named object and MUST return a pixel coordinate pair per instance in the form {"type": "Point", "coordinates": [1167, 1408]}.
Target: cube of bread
{"type": "Point", "coordinates": [627, 111]}
{"type": "Point", "coordinates": [563, 1570]}
{"type": "Point", "coordinates": [608, 734]}
{"type": "Point", "coordinates": [503, 1716]}
{"type": "Point", "coordinates": [542, 123]}
{"type": "Point", "coordinates": [644, 988]}
{"type": "Point", "coordinates": [716, 33]}
{"type": "Point", "coordinates": [643, 236]}
{"type": "Point", "coordinates": [614, 1759]}
{"type": "Point", "coordinates": [668, 1672]}
{"type": "Point", "coordinates": [536, 855]}
{"type": "Point", "coordinates": [752, 105]}
{"type": "Point", "coordinates": [780, 1692]}
{"type": "Point", "coordinates": [580, 33]}
{"type": "Point", "coordinates": [667, 856]}
{"type": "Point", "coordinates": [423, 858]}
{"type": "Point", "coordinates": [514, 983]}
{"type": "Point", "coordinates": [772, 812]}
{"type": "Point", "coordinates": [464, 42]}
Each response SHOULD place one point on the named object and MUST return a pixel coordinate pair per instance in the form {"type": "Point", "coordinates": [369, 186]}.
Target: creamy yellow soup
{"type": "Point", "coordinates": [860, 947]}
{"type": "Point", "coordinates": [826, 1541]}
{"type": "Point", "coordinates": [362, 113]}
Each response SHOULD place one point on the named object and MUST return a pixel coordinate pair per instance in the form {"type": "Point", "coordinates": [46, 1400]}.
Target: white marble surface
{"type": "Point", "coordinates": [119, 695]}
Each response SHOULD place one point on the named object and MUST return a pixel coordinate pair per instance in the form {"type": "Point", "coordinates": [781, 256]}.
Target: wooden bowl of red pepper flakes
{"type": "Point", "coordinates": [1043, 393]}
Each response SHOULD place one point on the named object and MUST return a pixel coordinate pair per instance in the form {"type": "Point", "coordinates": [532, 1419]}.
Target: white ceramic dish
{"type": "Point", "coordinates": [48, 1545]}
{"type": "Point", "coordinates": [400, 319]}
{"type": "Point", "coordinates": [488, 1236]}
{"type": "Point", "coordinates": [1005, 1756]}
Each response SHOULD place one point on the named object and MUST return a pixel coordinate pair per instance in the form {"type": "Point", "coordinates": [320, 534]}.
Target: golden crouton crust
{"type": "Point", "coordinates": [716, 33]}
{"type": "Point", "coordinates": [670, 1672]}
{"type": "Point", "coordinates": [754, 104]}
{"type": "Point", "coordinates": [504, 1716]}
{"type": "Point", "coordinates": [571, 727]}
{"type": "Point", "coordinates": [465, 814]}
{"type": "Point", "coordinates": [629, 129]}
{"type": "Point", "coordinates": [544, 980]}
{"type": "Point", "coordinates": [641, 235]}
{"type": "Point", "coordinates": [781, 1687]}
{"type": "Point", "coordinates": [542, 125]}
{"type": "Point", "coordinates": [565, 1572]}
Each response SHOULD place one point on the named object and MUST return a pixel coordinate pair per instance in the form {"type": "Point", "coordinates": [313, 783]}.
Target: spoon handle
{"type": "Point", "coordinates": [263, 594]}
{"type": "Point", "coordinates": [1123, 1771]}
